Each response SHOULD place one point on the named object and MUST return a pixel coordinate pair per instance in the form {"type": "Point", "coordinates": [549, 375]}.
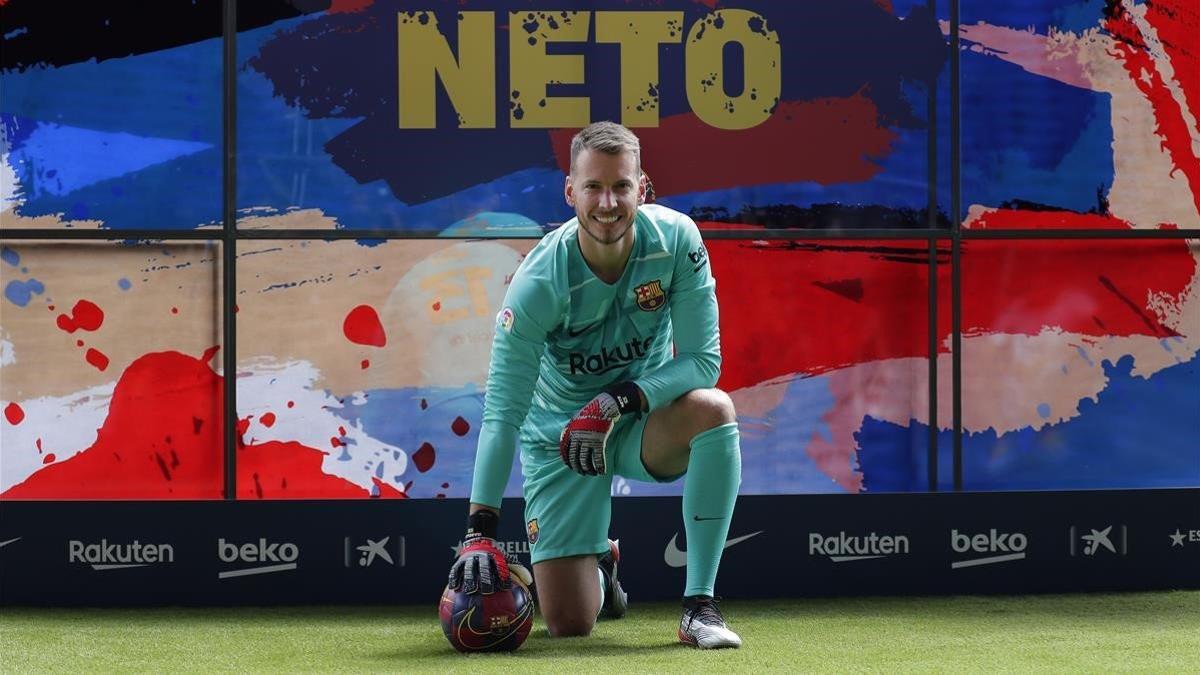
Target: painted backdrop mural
{"type": "Point", "coordinates": [361, 361]}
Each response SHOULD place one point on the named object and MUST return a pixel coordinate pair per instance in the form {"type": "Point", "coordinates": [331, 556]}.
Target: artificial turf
{"type": "Point", "coordinates": [1148, 632]}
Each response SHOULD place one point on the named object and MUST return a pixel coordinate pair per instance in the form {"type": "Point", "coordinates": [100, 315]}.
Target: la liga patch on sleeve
{"type": "Point", "coordinates": [504, 320]}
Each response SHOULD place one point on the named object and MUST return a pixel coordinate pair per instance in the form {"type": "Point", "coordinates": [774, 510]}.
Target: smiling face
{"type": "Point", "coordinates": [605, 190]}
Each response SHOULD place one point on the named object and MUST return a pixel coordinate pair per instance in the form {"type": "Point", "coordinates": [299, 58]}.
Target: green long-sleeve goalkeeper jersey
{"type": "Point", "coordinates": [564, 335]}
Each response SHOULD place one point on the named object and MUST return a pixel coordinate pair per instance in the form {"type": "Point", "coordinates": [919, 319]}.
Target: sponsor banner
{"type": "Point", "coordinates": [381, 551]}
{"type": "Point", "coordinates": [105, 555]}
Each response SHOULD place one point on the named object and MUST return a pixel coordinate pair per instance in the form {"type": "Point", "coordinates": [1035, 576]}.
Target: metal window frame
{"type": "Point", "coordinates": [229, 236]}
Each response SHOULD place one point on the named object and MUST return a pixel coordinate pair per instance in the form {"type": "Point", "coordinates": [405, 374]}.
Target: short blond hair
{"type": "Point", "coordinates": [607, 137]}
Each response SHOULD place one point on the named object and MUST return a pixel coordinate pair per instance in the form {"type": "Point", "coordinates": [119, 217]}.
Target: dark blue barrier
{"type": "Point", "coordinates": [220, 552]}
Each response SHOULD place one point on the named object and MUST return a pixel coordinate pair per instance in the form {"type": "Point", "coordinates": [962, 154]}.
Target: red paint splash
{"type": "Point", "coordinates": [437, 306]}
{"type": "Point", "coordinates": [296, 469]}
{"type": "Point", "coordinates": [38, 443]}
{"type": "Point", "coordinates": [291, 404]}
{"type": "Point", "coordinates": [209, 353]}
{"type": "Point", "coordinates": [158, 395]}
{"type": "Point", "coordinates": [1008, 287]}
{"type": "Point", "coordinates": [826, 141]}
{"type": "Point", "coordinates": [339, 6]}
{"type": "Point", "coordinates": [240, 431]}
{"type": "Point", "coordinates": [79, 343]}
{"type": "Point", "coordinates": [366, 363]}
{"type": "Point", "coordinates": [48, 459]}
{"type": "Point", "coordinates": [174, 310]}
{"type": "Point", "coordinates": [169, 405]}
{"type": "Point", "coordinates": [335, 441]}
{"type": "Point", "coordinates": [97, 358]}
{"type": "Point", "coordinates": [1176, 22]}
{"type": "Point", "coordinates": [362, 327]}
{"type": "Point", "coordinates": [268, 420]}
{"type": "Point", "coordinates": [1130, 48]}
{"type": "Point", "coordinates": [388, 491]}
{"type": "Point", "coordinates": [85, 315]}
{"type": "Point", "coordinates": [424, 457]}
{"type": "Point", "coordinates": [14, 413]}
{"type": "Point", "coordinates": [460, 426]}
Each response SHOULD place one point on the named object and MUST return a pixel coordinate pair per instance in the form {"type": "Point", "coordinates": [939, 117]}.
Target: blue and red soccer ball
{"type": "Point", "coordinates": [496, 622]}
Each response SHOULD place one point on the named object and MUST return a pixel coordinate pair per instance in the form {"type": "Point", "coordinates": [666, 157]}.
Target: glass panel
{"type": "Point", "coordinates": [825, 348]}
{"type": "Point", "coordinates": [110, 384]}
{"type": "Point", "coordinates": [1079, 364]}
{"type": "Point", "coordinates": [362, 364]}
{"type": "Point", "coordinates": [1075, 115]}
{"type": "Point", "coordinates": [105, 123]}
{"type": "Point", "coordinates": [737, 127]}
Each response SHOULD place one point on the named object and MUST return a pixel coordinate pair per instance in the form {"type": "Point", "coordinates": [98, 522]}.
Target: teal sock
{"type": "Point", "coordinates": [709, 492]}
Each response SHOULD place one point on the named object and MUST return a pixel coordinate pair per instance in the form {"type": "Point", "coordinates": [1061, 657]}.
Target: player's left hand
{"type": "Point", "coordinates": [583, 440]}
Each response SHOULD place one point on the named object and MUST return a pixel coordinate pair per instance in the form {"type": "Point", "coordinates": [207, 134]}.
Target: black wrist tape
{"type": "Point", "coordinates": [628, 397]}
{"type": "Point", "coordinates": [482, 523]}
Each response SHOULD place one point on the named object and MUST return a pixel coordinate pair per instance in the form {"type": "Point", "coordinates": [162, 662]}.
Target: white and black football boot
{"type": "Point", "coordinates": [703, 627]}
{"type": "Point", "coordinates": [616, 600]}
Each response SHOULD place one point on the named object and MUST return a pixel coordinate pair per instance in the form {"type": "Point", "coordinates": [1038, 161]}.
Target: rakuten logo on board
{"type": "Point", "coordinates": [106, 555]}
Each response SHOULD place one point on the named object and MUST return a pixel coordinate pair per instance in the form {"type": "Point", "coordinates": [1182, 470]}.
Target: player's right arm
{"type": "Point", "coordinates": [529, 313]}
{"type": "Point", "coordinates": [531, 310]}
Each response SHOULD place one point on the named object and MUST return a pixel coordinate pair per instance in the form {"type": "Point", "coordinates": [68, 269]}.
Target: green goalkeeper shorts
{"type": "Point", "coordinates": [567, 513]}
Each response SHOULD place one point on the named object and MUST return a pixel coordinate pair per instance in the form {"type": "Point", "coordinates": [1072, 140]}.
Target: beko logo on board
{"type": "Point", "coordinates": [107, 555]}
{"type": "Point", "coordinates": [996, 546]}
{"type": "Point", "coordinates": [266, 557]}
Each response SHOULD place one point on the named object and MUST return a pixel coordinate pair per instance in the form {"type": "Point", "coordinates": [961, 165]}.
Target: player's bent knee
{"type": "Point", "coordinates": [709, 408]}
{"type": "Point", "coordinates": [569, 626]}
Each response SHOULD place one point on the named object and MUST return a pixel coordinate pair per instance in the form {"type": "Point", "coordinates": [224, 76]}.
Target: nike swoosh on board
{"type": "Point", "coordinates": [6, 543]}
{"type": "Point", "coordinates": [674, 557]}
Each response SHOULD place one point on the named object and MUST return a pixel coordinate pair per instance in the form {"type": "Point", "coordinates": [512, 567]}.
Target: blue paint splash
{"type": "Point", "coordinates": [1139, 433]}
{"type": "Point", "coordinates": [10, 256]}
{"type": "Point", "coordinates": [124, 284]}
{"type": "Point", "coordinates": [20, 292]}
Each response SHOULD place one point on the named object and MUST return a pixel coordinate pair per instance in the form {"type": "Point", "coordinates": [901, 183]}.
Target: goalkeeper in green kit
{"type": "Point", "coordinates": [604, 362]}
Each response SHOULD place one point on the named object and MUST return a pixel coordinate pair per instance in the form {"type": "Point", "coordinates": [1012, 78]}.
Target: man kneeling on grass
{"type": "Point", "coordinates": [604, 363]}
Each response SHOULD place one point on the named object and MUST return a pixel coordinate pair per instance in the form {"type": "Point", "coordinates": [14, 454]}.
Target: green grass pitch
{"type": "Point", "coordinates": [1144, 632]}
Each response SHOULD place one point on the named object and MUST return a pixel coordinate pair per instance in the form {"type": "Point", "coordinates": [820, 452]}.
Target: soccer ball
{"type": "Point", "coordinates": [498, 622]}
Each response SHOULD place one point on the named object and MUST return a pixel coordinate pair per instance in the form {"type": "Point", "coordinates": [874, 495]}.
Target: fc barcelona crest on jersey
{"type": "Point", "coordinates": [650, 296]}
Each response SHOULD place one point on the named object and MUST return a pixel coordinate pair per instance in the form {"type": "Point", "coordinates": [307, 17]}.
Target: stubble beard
{"type": "Point", "coordinates": [603, 240]}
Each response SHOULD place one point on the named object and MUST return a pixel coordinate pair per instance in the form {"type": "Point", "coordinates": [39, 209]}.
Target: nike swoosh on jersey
{"type": "Point", "coordinates": [577, 333]}
{"type": "Point", "coordinates": [674, 557]}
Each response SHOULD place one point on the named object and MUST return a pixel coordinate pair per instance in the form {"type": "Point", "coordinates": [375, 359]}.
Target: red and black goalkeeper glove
{"type": "Point", "coordinates": [582, 443]}
{"type": "Point", "coordinates": [480, 567]}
